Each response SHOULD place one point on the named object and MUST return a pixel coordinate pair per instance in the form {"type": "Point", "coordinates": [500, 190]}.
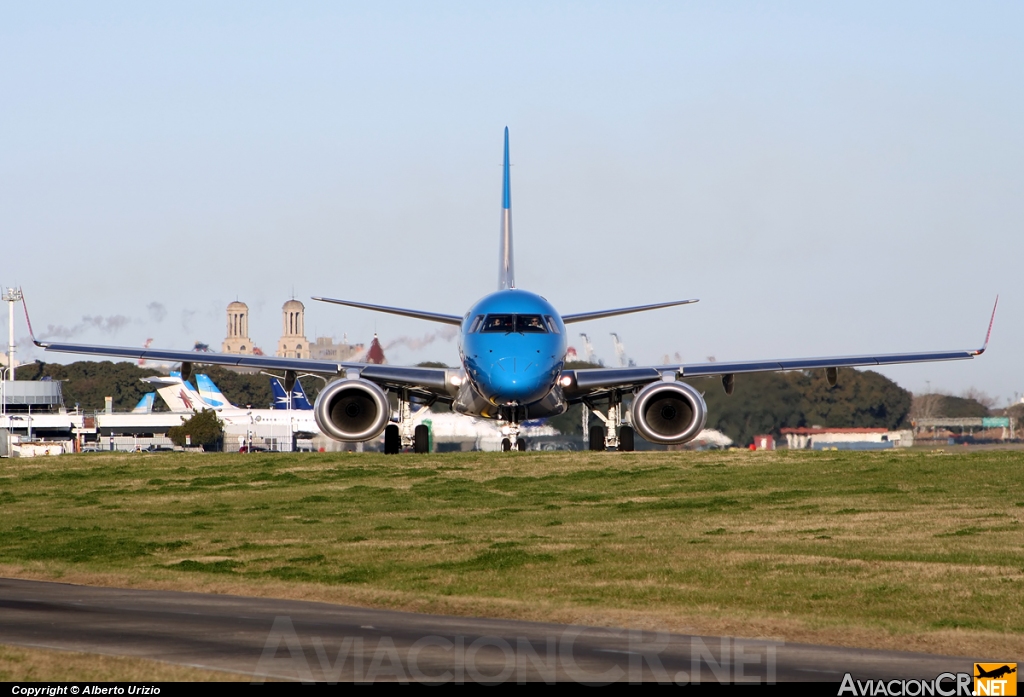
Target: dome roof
{"type": "Point", "coordinates": [293, 305]}
{"type": "Point", "coordinates": [238, 306]}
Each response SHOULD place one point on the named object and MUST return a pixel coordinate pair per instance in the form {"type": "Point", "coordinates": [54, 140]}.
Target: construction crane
{"type": "Point", "coordinates": [620, 352]}
{"type": "Point", "coordinates": [588, 349]}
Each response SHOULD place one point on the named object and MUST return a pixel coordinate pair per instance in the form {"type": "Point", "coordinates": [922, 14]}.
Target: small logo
{"type": "Point", "coordinates": [995, 679]}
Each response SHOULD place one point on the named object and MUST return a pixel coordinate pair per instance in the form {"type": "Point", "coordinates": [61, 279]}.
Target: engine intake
{"type": "Point", "coordinates": [352, 410]}
{"type": "Point", "coordinates": [669, 412]}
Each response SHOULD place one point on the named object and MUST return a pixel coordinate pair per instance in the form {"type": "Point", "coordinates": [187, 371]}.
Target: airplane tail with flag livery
{"type": "Point", "coordinates": [210, 393]}
{"type": "Point", "coordinates": [145, 405]}
{"type": "Point", "coordinates": [178, 395]}
{"type": "Point", "coordinates": [298, 396]}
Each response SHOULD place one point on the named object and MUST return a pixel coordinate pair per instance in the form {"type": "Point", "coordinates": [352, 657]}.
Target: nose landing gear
{"type": "Point", "coordinates": [511, 441]}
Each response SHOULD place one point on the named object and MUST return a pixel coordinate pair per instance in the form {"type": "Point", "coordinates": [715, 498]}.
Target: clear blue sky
{"type": "Point", "coordinates": [827, 179]}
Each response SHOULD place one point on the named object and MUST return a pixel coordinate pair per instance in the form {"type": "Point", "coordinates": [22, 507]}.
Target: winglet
{"type": "Point", "coordinates": [506, 266]}
{"type": "Point", "coordinates": [989, 332]}
{"type": "Point", "coordinates": [24, 306]}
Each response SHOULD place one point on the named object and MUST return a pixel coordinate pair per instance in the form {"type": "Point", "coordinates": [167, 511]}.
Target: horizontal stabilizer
{"type": "Point", "coordinates": [418, 314]}
{"type": "Point", "coordinates": [584, 316]}
{"type": "Point", "coordinates": [177, 394]}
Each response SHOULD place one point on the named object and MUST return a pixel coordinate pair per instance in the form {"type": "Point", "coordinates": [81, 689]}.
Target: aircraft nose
{"type": "Point", "coordinates": [514, 365]}
{"type": "Point", "coordinates": [519, 380]}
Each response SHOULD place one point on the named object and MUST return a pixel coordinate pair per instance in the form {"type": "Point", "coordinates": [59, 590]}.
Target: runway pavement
{"type": "Point", "coordinates": [299, 640]}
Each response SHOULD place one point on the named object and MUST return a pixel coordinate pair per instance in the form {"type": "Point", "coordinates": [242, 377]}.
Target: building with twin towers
{"type": "Point", "coordinates": [293, 342]}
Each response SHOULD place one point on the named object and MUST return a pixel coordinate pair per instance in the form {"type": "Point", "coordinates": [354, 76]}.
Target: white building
{"type": "Point", "coordinates": [822, 438]}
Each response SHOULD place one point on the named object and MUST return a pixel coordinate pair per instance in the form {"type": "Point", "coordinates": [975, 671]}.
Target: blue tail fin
{"type": "Point", "coordinates": [145, 405]}
{"type": "Point", "coordinates": [298, 401]}
{"type": "Point", "coordinates": [280, 396]}
{"type": "Point", "coordinates": [210, 393]}
{"type": "Point", "coordinates": [506, 264]}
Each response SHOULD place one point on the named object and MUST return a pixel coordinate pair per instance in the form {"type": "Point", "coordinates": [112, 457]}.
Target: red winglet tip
{"type": "Point", "coordinates": [24, 306]}
{"type": "Point", "coordinates": [991, 321]}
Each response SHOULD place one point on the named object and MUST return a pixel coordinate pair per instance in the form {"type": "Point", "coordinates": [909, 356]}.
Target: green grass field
{"type": "Point", "coordinates": [916, 550]}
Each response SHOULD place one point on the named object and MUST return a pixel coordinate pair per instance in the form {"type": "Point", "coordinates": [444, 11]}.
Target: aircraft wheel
{"type": "Point", "coordinates": [597, 438]}
{"type": "Point", "coordinates": [421, 439]}
{"type": "Point", "coordinates": [392, 440]}
{"type": "Point", "coordinates": [506, 445]}
{"type": "Point", "coordinates": [521, 445]}
{"type": "Point", "coordinates": [626, 441]}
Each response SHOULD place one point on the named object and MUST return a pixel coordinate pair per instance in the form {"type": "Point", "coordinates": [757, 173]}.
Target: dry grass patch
{"type": "Point", "coordinates": [871, 549]}
{"type": "Point", "coordinates": [19, 664]}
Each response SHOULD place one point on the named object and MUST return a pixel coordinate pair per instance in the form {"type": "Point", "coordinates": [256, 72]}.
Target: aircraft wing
{"type": "Point", "coordinates": [430, 380]}
{"type": "Point", "coordinates": [601, 314]}
{"type": "Point", "coordinates": [404, 312]}
{"type": "Point", "coordinates": [584, 382]}
{"type": "Point", "coordinates": [600, 379]}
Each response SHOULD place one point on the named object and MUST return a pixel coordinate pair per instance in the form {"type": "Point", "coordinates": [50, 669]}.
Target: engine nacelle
{"type": "Point", "coordinates": [352, 410]}
{"type": "Point", "coordinates": [669, 412]}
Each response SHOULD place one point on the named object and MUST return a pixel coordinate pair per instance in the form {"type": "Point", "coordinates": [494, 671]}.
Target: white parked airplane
{"type": "Point", "coordinates": [182, 398]}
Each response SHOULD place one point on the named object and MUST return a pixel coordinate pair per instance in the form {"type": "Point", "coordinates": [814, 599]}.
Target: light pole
{"type": "Point", "coordinates": [11, 296]}
{"type": "Point", "coordinates": [28, 426]}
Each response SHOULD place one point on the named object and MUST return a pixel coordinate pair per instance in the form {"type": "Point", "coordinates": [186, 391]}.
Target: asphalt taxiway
{"type": "Point", "coordinates": [288, 639]}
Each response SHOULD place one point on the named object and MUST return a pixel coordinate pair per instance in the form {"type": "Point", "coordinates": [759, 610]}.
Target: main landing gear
{"type": "Point", "coordinates": [404, 435]}
{"type": "Point", "coordinates": [614, 435]}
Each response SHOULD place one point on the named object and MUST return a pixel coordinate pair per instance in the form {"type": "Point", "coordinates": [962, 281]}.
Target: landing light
{"type": "Point", "coordinates": [457, 380]}
{"type": "Point", "coordinates": [565, 380]}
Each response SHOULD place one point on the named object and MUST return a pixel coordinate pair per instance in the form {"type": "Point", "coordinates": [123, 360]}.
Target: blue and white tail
{"type": "Point", "coordinates": [145, 405]}
{"type": "Point", "coordinates": [506, 263]}
{"type": "Point", "coordinates": [298, 397]}
{"type": "Point", "coordinates": [210, 393]}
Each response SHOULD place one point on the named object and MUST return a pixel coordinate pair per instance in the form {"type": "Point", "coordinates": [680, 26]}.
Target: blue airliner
{"type": "Point", "coordinates": [512, 353]}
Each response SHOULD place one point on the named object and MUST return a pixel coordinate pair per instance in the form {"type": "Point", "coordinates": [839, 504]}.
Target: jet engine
{"type": "Point", "coordinates": [352, 410]}
{"type": "Point", "coordinates": [669, 412]}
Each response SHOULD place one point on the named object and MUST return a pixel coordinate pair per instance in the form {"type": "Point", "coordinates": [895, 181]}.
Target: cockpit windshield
{"type": "Point", "coordinates": [499, 323]}
{"type": "Point", "coordinates": [530, 324]}
{"type": "Point", "coordinates": [506, 324]}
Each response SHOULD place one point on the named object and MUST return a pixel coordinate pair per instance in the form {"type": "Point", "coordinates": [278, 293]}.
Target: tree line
{"type": "Point", "coordinates": [765, 403]}
{"type": "Point", "coordinates": [761, 402]}
{"type": "Point", "coordinates": [86, 384]}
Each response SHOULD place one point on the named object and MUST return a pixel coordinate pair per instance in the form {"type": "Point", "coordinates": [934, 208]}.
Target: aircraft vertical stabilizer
{"type": "Point", "coordinates": [210, 393]}
{"type": "Point", "coordinates": [177, 394]}
{"type": "Point", "coordinates": [506, 268]}
{"type": "Point", "coordinates": [280, 394]}
{"type": "Point", "coordinates": [145, 405]}
{"type": "Point", "coordinates": [298, 396]}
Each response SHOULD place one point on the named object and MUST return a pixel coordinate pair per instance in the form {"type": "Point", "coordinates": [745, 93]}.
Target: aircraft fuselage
{"type": "Point", "coordinates": [512, 348]}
